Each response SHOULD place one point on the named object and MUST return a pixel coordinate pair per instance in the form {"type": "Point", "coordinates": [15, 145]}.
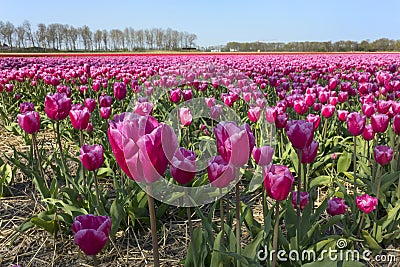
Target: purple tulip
{"type": "Point", "coordinates": [105, 112]}
{"type": "Point", "coordinates": [105, 101]}
{"type": "Point", "coordinates": [380, 122]}
{"type": "Point", "coordinates": [183, 166]}
{"type": "Point", "coordinates": [304, 198]}
{"type": "Point", "coordinates": [368, 133]}
{"type": "Point", "coordinates": [90, 103]}
{"type": "Point", "coordinates": [26, 106]}
{"type": "Point", "coordinates": [336, 206]}
{"type": "Point", "coordinates": [119, 90]}
{"type": "Point", "coordinates": [143, 108]}
{"type": "Point", "coordinates": [175, 95]}
{"type": "Point", "coordinates": [309, 153]}
{"type": "Point", "coordinates": [300, 133]}
{"type": "Point", "coordinates": [91, 232]}
{"type": "Point", "coordinates": [91, 156]}
{"type": "Point", "coordinates": [57, 106]}
{"type": "Point", "coordinates": [383, 154]}
{"type": "Point", "coordinates": [79, 118]}
{"type": "Point", "coordinates": [355, 123]}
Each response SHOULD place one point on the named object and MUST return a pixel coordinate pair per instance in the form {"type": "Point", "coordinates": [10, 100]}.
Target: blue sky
{"type": "Point", "coordinates": [217, 22]}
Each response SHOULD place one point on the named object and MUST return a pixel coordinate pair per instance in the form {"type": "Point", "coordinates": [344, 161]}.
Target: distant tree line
{"type": "Point", "coordinates": [64, 37]}
{"type": "Point", "coordinates": [382, 44]}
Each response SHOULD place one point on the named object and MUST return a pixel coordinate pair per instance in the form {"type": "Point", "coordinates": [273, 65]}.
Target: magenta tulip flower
{"type": "Point", "coordinates": [254, 113]}
{"type": "Point", "coordinates": [215, 112]}
{"type": "Point", "coordinates": [220, 173]}
{"type": "Point", "coordinates": [309, 153]}
{"type": "Point", "coordinates": [187, 95]}
{"type": "Point", "coordinates": [315, 119]}
{"type": "Point", "coordinates": [57, 106]}
{"type": "Point", "coordinates": [300, 133]}
{"type": "Point", "coordinates": [26, 106]}
{"type": "Point", "coordinates": [281, 120]}
{"type": "Point", "coordinates": [304, 198]}
{"type": "Point", "coordinates": [79, 118]}
{"type": "Point", "coordinates": [368, 109]}
{"type": "Point", "coordinates": [105, 112]}
{"type": "Point", "coordinates": [185, 116]}
{"type": "Point", "coordinates": [342, 115]}
{"type": "Point", "coordinates": [142, 146]}
{"type": "Point", "coordinates": [383, 154]}
{"type": "Point", "coordinates": [278, 181]}
{"type": "Point", "coordinates": [105, 101]}
{"type": "Point", "coordinates": [91, 232]}
{"type": "Point", "coordinates": [300, 107]}
{"type": "Point", "coordinates": [210, 101]}
{"type": "Point", "coordinates": [29, 121]}
{"type": "Point", "coordinates": [263, 155]}
{"type": "Point", "coordinates": [175, 95]}
{"type": "Point", "coordinates": [143, 108]}
{"type": "Point", "coordinates": [270, 114]}
{"type": "Point", "coordinates": [183, 166]}
{"type": "Point", "coordinates": [90, 104]}
{"type": "Point", "coordinates": [234, 143]}
{"type": "Point", "coordinates": [380, 122]}
{"type": "Point", "coordinates": [366, 203]}
{"type": "Point", "coordinates": [368, 133]}
{"type": "Point", "coordinates": [396, 124]}
{"type": "Point", "coordinates": [327, 110]}
{"type": "Point", "coordinates": [355, 123]}
{"type": "Point", "coordinates": [91, 156]}
{"type": "Point", "coordinates": [336, 206]}
{"type": "Point", "coordinates": [119, 90]}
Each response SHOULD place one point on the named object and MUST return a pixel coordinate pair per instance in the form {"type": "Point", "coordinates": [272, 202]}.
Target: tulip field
{"type": "Point", "coordinates": [200, 160]}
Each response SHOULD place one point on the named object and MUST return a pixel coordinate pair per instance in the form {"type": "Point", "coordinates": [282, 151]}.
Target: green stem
{"type": "Point", "coordinates": [324, 130]}
{"type": "Point", "coordinates": [355, 166]}
{"type": "Point", "coordinates": [299, 154]}
{"type": "Point", "coordinates": [378, 189]}
{"type": "Point", "coordinates": [189, 216]}
{"type": "Point", "coordinates": [37, 153]}
{"type": "Point", "coordinates": [361, 225]}
{"type": "Point", "coordinates": [153, 226]}
{"type": "Point", "coordinates": [222, 215]}
{"type": "Point", "coordinates": [238, 245]}
{"type": "Point", "coordinates": [97, 189]}
{"type": "Point", "coordinates": [276, 232]}
{"type": "Point", "coordinates": [81, 142]}
{"type": "Point", "coordinates": [95, 261]}
{"type": "Point", "coordinates": [61, 152]}
{"type": "Point", "coordinates": [305, 168]}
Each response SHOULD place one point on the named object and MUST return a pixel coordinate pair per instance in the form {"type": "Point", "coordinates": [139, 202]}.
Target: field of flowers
{"type": "Point", "coordinates": [246, 160]}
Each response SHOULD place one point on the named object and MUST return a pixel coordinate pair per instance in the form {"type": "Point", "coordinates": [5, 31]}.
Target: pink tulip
{"type": "Point", "coordinates": [254, 114]}
{"type": "Point", "coordinates": [342, 115]}
{"type": "Point", "coordinates": [270, 114]}
{"type": "Point", "coordinates": [355, 123]}
{"type": "Point", "coordinates": [304, 198]}
{"type": "Point", "coordinates": [29, 121]}
{"type": "Point", "coordinates": [309, 153]}
{"type": "Point", "coordinates": [91, 156]}
{"type": "Point", "coordinates": [234, 143]}
{"type": "Point", "coordinates": [90, 103]}
{"type": "Point", "coordinates": [263, 155]}
{"type": "Point", "coordinates": [183, 166]}
{"type": "Point", "coordinates": [315, 119]}
{"type": "Point", "coordinates": [366, 203]}
{"type": "Point", "coordinates": [79, 118]}
{"type": "Point", "coordinates": [119, 90]}
{"type": "Point", "coordinates": [396, 124]}
{"type": "Point", "coordinates": [220, 173]}
{"type": "Point", "coordinates": [57, 106]}
{"type": "Point", "coordinates": [216, 112]}
{"type": "Point", "coordinates": [185, 116]}
{"type": "Point", "coordinates": [143, 108]}
{"type": "Point", "coordinates": [175, 95]}
{"type": "Point", "coordinates": [327, 110]}
{"type": "Point", "coordinates": [383, 154]}
{"type": "Point", "coordinates": [25, 107]}
{"type": "Point", "coordinates": [105, 101]}
{"type": "Point", "coordinates": [141, 145]}
{"type": "Point", "coordinates": [105, 112]}
{"type": "Point", "coordinates": [380, 122]}
{"type": "Point", "coordinates": [278, 181]}
{"type": "Point", "coordinates": [368, 133]}
{"type": "Point", "coordinates": [187, 95]}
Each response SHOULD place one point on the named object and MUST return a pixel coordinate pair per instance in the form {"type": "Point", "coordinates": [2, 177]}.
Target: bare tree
{"type": "Point", "coordinates": [8, 30]}
{"type": "Point", "coordinates": [86, 35]}
{"type": "Point", "coordinates": [41, 35]}
{"type": "Point", "coordinates": [97, 39]}
{"type": "Point", "coordinates": [117, 39]}
{"type": "Point", "coordinates": [149, 38]}
{"type": "Point", "coordinates": [105, 39]}
{"type": "Point", "coordinates": [159, 35]}
{"type": "Point", "coordinates": [139, 38]}
{"type": "Point", "coordinates": [20, 34]}
{"type": "Point", "coordinates": [129, 35]}
{"type": "Point", "coordinates": [28, 32]}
